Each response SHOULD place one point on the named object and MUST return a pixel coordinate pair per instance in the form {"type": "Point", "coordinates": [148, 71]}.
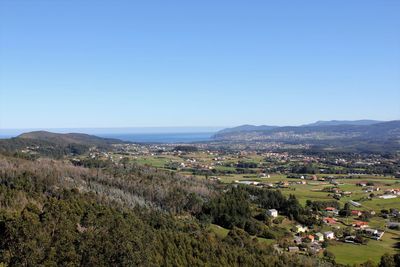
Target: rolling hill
{"type": "Point", "coordinates": [383, 135]}
{"type": "Point", "coordinates": [338, 122]}
{"type": "Point", "coordinates": [54, 144]}
{"type": "Point", "coordinates": [247, 128]}
{"type": "Point", "coordinates": [68, 138]}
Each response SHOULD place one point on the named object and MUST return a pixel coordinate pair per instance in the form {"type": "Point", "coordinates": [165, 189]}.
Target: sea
{"type": "Point", "coordinates": [162, 137]}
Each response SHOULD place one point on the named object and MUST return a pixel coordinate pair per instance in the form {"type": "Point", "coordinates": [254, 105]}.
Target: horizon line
{"type": "Point", "coordinates": [178, 127]}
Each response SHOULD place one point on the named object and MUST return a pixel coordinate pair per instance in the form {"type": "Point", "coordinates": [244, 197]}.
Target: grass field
{"type": "Point", "coordinates": [158, 162]}
{"type": "Point", "coordinates": [355, 254]}
{"type": "Point", "coordinates": [378, 203]}
{"type": "Point", "coordinates": [223, 232]}
{"type": "Point", "coordinates": [312, 190]}
{"type": "Point", "coordinates": [218, 230]}
{"type": "Point", "coordinates": [304, 193]}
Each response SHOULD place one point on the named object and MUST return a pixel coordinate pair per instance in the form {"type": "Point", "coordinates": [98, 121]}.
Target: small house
{"type": "Point", "coordinates": [273, 213]}
{"type": "Point", "coordinates": [387, 196]}
{"type": "Point", "coordinates": [359, 224]}
{"type": "Point", "coordinates": [331, 210]}
{"type": "Point", "coordinates": [370, 231]}
{"type": "Point", "coordinates": [354, 203]}
{"type": "Point", "coordinates": [319, 237]}
{"type": "Point", "coordinates": [329, 235]}
{"type": "Point", "coordinates": [310, 237]}
{"type": "Point", "coordinates": [329, 220]}
{"type": "Point", "coordinates": [350, 239]}
{"type": "Point", "coordinates": [378, 235]}
{"type": "Point", "coordinates": [356, 213]}
{"type": "Point", "coordinates": [373, 233]}
{"type": "Point", "coordinates": [300, 229]}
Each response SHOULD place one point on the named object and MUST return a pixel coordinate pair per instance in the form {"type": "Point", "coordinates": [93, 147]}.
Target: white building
{"type": "Point", "coordinates": [355, 204]}
{"type": "Point", "coordinates": [301, 229]}
{"type": "Point", "coordinates": [319, 237]}
{"type": "Point", "coordinates": [329, 235]}
{"type": "Point", "coordinates": [387, 196]}
{"type": "Point", "coordinates": [272, 213]}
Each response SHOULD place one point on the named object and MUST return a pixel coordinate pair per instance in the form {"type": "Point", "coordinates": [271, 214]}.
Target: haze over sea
{"type": "Point", "coordinates": [136, 134]}
{"type": "Point", "coordinates": [162, 137]}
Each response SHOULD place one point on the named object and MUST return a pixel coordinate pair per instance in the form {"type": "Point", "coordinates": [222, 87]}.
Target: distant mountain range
{"type": "Point", "coordinates": [251, 128]}
{"type": "Point", "coordinates": [361, 135]}
{"type": "Point", "coordinates": [247, 128]}
{"type": "Point", "coordinates": [322, 132]}
{"type": "Point", "coordinates": [336, 122]}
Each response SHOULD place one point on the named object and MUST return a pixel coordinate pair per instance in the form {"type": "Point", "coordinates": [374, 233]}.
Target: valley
{"type": "Point", "coordinates": [303, 202]}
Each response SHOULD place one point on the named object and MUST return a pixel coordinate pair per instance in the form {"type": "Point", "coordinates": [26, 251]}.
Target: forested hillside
{"type": "Point", "coordinates": [55, 145]}
{"type": "Point", "coordinates": [330, 132]}
{"type": "Point", "coordinates": [55, 214]}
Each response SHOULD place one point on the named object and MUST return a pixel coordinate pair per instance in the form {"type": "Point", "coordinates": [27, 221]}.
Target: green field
{"type": "Point", "coordinates": [312, 190]}
{"type": "Point", "coordinates": [356, 254]}
{"type": "Point", "coordinates": [379, 204]}
{"type": "Point", "coordinates": [218, 230]}
{"type": "Point", "coordinates": [155, 161]}
{"type": "Point", "coordinates": [223, 232]}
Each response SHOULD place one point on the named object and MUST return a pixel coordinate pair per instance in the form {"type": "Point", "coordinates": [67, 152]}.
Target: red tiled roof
{"type": "Point", "coordinates": [359, 223]}
{"type": "Point", "coordinates": [356, 212]}
{"type": "Point", "coordinates": [329, 220]}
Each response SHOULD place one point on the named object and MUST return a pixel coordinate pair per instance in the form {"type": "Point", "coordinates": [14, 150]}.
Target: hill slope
{"type": "Point", "coordinates": [54, 144]}
{"type": "Point", "coordinates": [247, 128]}
{"type": "Point", "coordinates": [385, 135]}
{"type": "Point", "coordinates": [68, 138]}
{"type": "Point", "coordinates": [338, 122]}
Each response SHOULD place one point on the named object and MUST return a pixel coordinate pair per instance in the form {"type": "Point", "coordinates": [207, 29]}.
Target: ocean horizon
{"type": "Point", "coordinates": [133, 134]}
{"type": "Point", "coordinates": [161, 137]}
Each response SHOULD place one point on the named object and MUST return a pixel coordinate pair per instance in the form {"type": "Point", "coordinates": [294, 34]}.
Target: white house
{"type": "Point", "coordinates": [301, 229]}
{"type": "Point", "coordinates": [373, 233]}
{"type": "Point", "coordinates": [370, 231]}
{"type": "Point", "coordinates": [293, 249]}
{"type": "Point", "coordinates": [319, 237]}
{"type": "Point", "coordinates": [354, 203]}
{"type": "Point", "coordinates": [272, 213]}
{"type": "Point", "coordinates": [329, 235]}
{"type": "Point", "coordinates": [387, 196]}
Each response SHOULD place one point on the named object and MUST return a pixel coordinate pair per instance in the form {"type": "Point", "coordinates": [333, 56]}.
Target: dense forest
{"type": "Point", "coordinates": [54, 145]}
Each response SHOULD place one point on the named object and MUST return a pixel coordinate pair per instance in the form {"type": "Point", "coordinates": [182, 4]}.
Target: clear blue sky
{"type": "Point", "coordinates": [197, 63]}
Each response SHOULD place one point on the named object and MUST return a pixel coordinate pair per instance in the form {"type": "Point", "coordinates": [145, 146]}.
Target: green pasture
{"type": "Point", "coordinates": [356, 254]}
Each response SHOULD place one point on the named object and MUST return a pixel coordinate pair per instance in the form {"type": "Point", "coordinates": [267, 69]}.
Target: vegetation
{"type": "Point", "coordinates": [50, 217]}
{"type": "Point", "coordinates": [67, 201]}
